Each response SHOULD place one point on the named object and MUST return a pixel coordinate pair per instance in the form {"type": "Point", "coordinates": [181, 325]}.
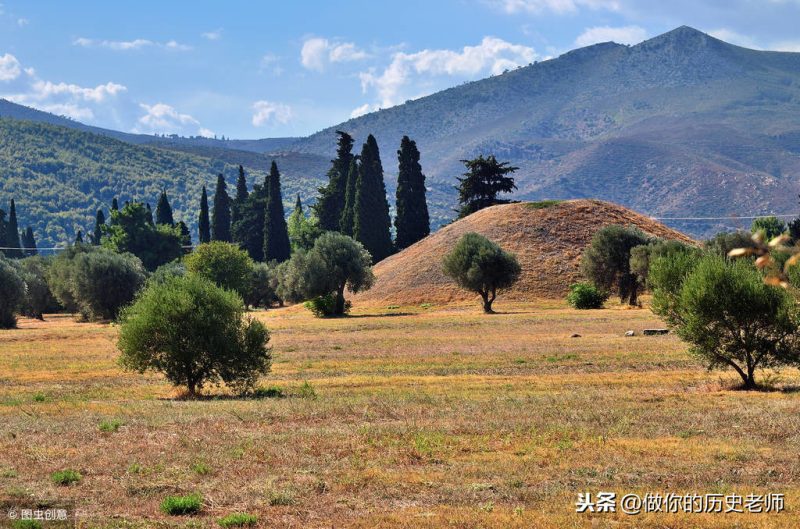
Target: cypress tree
{"type": "Point", "coordinates": [3, 232]}
{"type": "Point", "coordinates": [331, 201]}
{"type": "Point", "coordinates": [221, 216]}
{"type": "Point", "coordinates": [347, 220]}
{"type": "Point", "coordinates": [276, 234]}
{"type": "Point", "coordinates": [249, 228]}
{"type": "Point", "coordinates": [412, 222]}
{"type": "Point", "coordinates": [164, 211]}
{"type": "Point", "coordinates": [298, 205]}
{"type": "Point", "coordinates": [238, 202]}
{"type": "Point", "coordinates": [203, 226]}
{"type": "Point", "coordinates": [99, 222]}
{"type": "Point", "coordinates": [186, 237]}
{"type": "Point", "coordinates": [114, 207]}
{"type": "Point", "coordinates": [79, 237]}
{"type": "Point", "coordinates": [372, 225]}
{"type": "Point", "coordinates": [12, 233]}
{"type": "Point", "coordinates": [150, 215]}
{"type": "Point", "coordinates": [29, 242]}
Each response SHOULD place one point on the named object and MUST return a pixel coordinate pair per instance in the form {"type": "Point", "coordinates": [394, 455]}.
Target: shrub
{"type": "Point", "coordinates": [12, 294]}
{"type": "Point", "coordinates": [334, 263]}
{"type": "Point", "coordinates": [722, 243]}
{"type": "Point", "coordinates": [727, 314]}
{"type": "Point", "coordinates": [238, 520]}
{"type": "Point", "coordinates": [478, 264]}
{"type": "Point", "coordinates": [60, 275]}
{"type": "Point", "coordinates": [586, 296]}
{"type": "Point", "coordinates": [182, 505]}
{"type": "Point", "coordinates": [222, 263]}
{"type": "Point", "coordinates": [606, 262]}
{"type": "Point", "coordinates": [104, 282]}
{"type": "Point", "coordinates": [769, 227]}
{"type": "Point", "coordinates": [307, 391]}
{"type": "Point", "coordinates": [195, 333]}
{"type": "Point", "coordinates": [322, 306]}
{"type": "Point", "coordinates": [643, 255]}
{"type": "Point", "coordinates": [65, 477]}
{"type": "Point", "coordinates": [263, 283]}
{"type": "Point", "coordinates": [167, 271]}
{"type": "Point", "coordinates": [38, 297]}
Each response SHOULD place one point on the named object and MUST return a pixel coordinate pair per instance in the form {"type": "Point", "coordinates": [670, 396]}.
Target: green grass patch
{"type": "Point", "coordinates": [278, 498]}
{"type": "Point", "coordinates": [39, 397]}
{"type": "Point", "coordinates": [65, 477]}
{"type": "Point", "coordinates": [239, 519]}
{"type": "Point", "coordinates": [27, 524]}
{"type": "Point", "coordinates": [110, 426]}
{"type": "Point", "coordinates": [182, 505]}
{"type": "Point", "coordinates": [542, 204]}
{"type": "Point", "coordinates": [201, 469]}
{"type": "Point", "coordinates": [272, 392]}
{"type": "Point", "coordinates": [307, 391]}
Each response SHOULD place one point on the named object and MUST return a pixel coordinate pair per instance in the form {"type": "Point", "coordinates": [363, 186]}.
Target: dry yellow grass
{"type": "Point", "coordinates": [424, 417]}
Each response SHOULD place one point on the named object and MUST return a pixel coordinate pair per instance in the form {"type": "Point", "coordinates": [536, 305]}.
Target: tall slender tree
{"type": "Point", "coordinates": [29, 242]}
{"type": "Point", "coordinates": [221, 216]}
{"type": "Point", "coordinates": [150, 215]}
{"type": "Point", "coordinates": [164, 210]}
{"type": "Point", "coordinates": [12, 233]}
{"type": "Point", "coordinates": [79, 237]}
{"type": "Point", "coordinates": [276, 235]}
{"type": "Point", "coordinates": [186, 237]}
{"type": "Point", "coordinates": [3, 232]}
{"type": "Point", "coordinates": [203, 224]}
{"type": "Point", "coordinates": [239, 202]}
{"type": "Point", "coordinates": [348, 217]}
{"type": "Point", "coordinates": [99, 222]}
{"type": "Point", "coordinates": [332, 197]}
{"type": "Point", "coordinates": [372, 225]}
{"type": "Point", "coordinates": [412, 222]}
{"type": "Point", "coordinates": [114, 207]}
{"type": "Point", "coordinates": [248, 230]}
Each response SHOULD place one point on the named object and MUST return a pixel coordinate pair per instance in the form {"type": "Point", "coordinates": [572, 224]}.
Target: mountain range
{"type": "Point", "coordinates": [681, 125]}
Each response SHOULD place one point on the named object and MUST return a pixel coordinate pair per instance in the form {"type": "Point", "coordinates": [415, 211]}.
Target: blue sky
{"type": "Point", "coordinates": [266, 69]}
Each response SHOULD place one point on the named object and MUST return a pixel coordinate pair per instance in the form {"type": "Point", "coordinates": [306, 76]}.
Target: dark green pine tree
{"type": "Point", "coordinates": [150, 220]}
{"type": "Point", "coordinates": [372, 225]}
{"type": "Point", "coordinates": [99, 222]}
{"type": "Point", "coordinates": [164, 211]}
{"type": "Point", "coordinates": [79, 237]}
{"type": "Point", "coordinates": [12, 233]}
{"type": "Point", "coordinates": [412, 222]}
{"type": "Point", "coordinates": [331, 199]}
{"type": "Point", "coordinates": [249, 228]}
{"type": "Point", "coordinates": [347, 220]}
{"type": "Point", "coordinates": [203, 225]}
{"type": "Point", "coordinates": [276, 235]}
{"type": "Point", "coordinates": [239, 201]}
{"type": "Point", "coordinates": [298, 204]}
{"type": "Point", "coordinates": [114, 207]}
{"type": "Point", "coordinates": [221, 216]}
{"type": "Point", "coordinates": [29, 242]}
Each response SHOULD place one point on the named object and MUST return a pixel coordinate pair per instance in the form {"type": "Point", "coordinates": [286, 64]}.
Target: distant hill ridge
{"type": "Point", "coordinates": [680, 125]}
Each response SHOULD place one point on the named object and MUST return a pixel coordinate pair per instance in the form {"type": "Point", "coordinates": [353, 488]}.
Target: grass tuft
{"type": "Point", "coordinates": [65, 477]}
{"type": "Point", "coordinates": [307, 391]}
{"type": "Point", "coordinates": [542, 204]}
{"type": "Point", "coordinates": [239, 519]}
{"type": "Point", "coordinates": [110, 426]}
{"type": "Point", "coordinates": [182, 505]}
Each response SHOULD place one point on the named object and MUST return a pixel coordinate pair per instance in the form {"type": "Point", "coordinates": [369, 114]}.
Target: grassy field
{"type": "Point", "coordinates": [407, 417]}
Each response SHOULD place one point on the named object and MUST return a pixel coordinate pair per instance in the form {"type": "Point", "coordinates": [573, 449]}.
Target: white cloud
{"type": "Point", "coordinates": [734, 38]}
{"type": "Point", "coordinates": [492, 55]}
{"type": "Point", "coordinates": [786, 45]}
{"type": "Point", "coordinates": [318, 52]}
{"type": "Point", "coordinates": [265, 112]}
{"type": "Point", "coordinates": [620, 35]}
{"type": "Point", "coordinates": [206, 133]}
{"type": "Point", "coordinates": [128, 45]}
{"type": "Point", "coordinates": [23, 86]}
{"type": "Point", "coordinates": [360, 111]}
{"type": "Point", "coordinates": [163, 118]}
{"type": "Point", "coordinates": [212, 35]}
{"type": "Point", "coordinates": [22, 22]}
{"type": "Point", "coordinates": [558, 7]}
{"type": "Point", "coordinates": [10, 67]}
{"type": "Point", "coordinates": [47, 89]}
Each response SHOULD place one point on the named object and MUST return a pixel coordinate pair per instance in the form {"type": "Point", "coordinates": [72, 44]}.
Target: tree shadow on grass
{"type": "Point", "coordinates": [384, 315]}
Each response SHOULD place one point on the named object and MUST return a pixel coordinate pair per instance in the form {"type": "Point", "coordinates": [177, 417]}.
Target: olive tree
{"type": "Point", "coordinates": [336, 262]}
{"type": "Point", "coordinates": [606, 262]}
{"type": "Point", "coordinates": [222, 263]}
{"type": "Point", "coordinates": [195, 333]}
{"type": "Point", "coordinates": [480, 265]}
{"type": "Point", "coordinates": [12, 293]}
{"type": "Point", "coordinates": [38, 297]}
{"type": "Point", "coordinates": [263, 283]}
{"type": "Point", "coordinates": [727, 313]}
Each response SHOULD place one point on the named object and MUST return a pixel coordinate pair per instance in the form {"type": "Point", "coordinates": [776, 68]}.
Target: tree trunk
{"type": "Point", "coordinates": [339, 309]}
{"type": "Point", "coordinates": [487, 302]}
{"type": "Point", "coordinates": [634, 294]}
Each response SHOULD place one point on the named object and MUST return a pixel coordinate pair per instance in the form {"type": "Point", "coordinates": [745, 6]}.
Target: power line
{"type": "Point", "coordinates": [725, 218]}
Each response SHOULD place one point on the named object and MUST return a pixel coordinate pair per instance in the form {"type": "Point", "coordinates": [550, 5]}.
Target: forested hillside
{"type": "Point", "coordinates": [59, 177]}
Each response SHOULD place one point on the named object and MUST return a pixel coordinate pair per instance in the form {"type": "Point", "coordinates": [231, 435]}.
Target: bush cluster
{"type": "Point", "coordinates": [586, 296]}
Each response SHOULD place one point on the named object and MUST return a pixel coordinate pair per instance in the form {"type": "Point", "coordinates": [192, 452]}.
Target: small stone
{"type": "Point", "coordinates": [576, 335]}
{"type": "Point", "coordinates": [630, 333]}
